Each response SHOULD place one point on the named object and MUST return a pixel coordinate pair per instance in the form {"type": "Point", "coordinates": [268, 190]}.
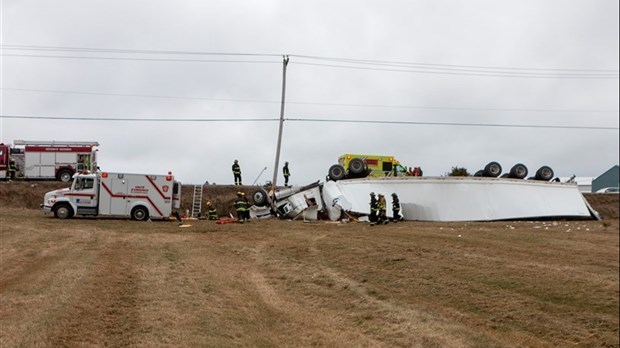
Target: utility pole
{"type": "Point", "coordinates": [275, 168]}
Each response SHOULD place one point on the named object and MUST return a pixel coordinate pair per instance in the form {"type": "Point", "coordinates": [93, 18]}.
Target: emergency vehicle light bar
{"type": "Point", "coordinates": [56, 143]}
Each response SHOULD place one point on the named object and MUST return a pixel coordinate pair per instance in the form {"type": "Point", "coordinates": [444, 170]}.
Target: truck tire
{"type": "Point", "coordinates": [259, 197]}
{"type": "Point", "coordinates": [357, 167]}
{"type": "Point", "coordinates": [518, 171]}
{"type": "Point", "coordinates": [479, 173]}
{"type": "Point", "coordinates": [544, 173]}
{"type": "Point", "coordinates": [63, 211]}
{"type": "Point", "coordinates": [336, 172]}
{"type": "Point", "coordinates": [492, 169]}
{"type": "Point", "coordinates": [65, 175]}
{"type": "Point", "coordinates": [139, 213]}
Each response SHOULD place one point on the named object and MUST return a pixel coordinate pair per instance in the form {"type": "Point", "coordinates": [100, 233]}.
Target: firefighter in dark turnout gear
{"type": "Point", "coordinates": [286, 173]}
{"type": "Point", "coordinates": [236, 169]}
{"type": "Point", "coordinates": [374, 208]}
{"type": "Point", "coordinates": [396, 208]}
{"type": "Point", "coordinates": [242, 207]}
{"type": "Point", "coordinates": [13, 168]}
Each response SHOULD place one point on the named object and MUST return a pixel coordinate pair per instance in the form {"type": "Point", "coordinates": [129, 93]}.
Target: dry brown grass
{"type": "Point", "coordinates": [106, 282]}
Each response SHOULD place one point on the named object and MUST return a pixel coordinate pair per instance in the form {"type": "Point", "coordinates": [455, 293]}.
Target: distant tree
{"type": "Point", "coordinates": [459, 171]}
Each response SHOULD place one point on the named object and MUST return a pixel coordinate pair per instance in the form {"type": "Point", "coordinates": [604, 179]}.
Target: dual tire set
{"type": "Point", "coordinates": [357, 169]}
{"type": "Point", "coordinates": [518, 171]}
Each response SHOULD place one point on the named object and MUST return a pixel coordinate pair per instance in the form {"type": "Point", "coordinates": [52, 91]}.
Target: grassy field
{"type": "Point", "coordinates": [107, 282]}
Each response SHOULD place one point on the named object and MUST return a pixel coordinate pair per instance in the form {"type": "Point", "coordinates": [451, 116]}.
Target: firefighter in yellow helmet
{"type": "Point", "coordinates": [242, 207]}
{"type": "Point", "coordinates": [382, 217]}
{"type": "Point", "coordinates": [211, 211]}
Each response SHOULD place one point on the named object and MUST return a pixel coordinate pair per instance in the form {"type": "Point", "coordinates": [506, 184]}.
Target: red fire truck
{"type": "Point", "coordinates": [47, 160]}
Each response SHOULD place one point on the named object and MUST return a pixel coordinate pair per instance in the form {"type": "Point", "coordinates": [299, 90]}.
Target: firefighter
{"type": "Point", "coordinates": [374, 208]}
{"type": "Point", "coordinates": [242, 207]}
{"type": "Point", "coordinates": [211, 211]}
{"type": "Point", "coordinates": [236, 169]}
{"type": "Point", "coordinates": [13, 168]}
{"type": "Point", "coordinates": [396, 208]}
{"type": "Point", "coordinates": [286, 173]}
{"type": "Point", "coordinates": [382, 218]}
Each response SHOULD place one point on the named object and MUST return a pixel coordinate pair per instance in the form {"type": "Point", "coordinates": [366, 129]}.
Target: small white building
{"type": "Point", "coordinates": [584, 183]}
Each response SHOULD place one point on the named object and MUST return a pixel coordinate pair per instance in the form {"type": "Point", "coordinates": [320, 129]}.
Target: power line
{"type": "Point", "coordinates": [315, 103]}
{"type": "Point", "coordinates": [480, 73]}
{"type": "Point", "coordinates": [430, 65]}
{"type": "Point", "coordinates": [317, 120]}
{"type": "Point", "coordinates": [451, 124]}
{"type": "Point", "coordinates": [117, 50]}
{"type": "Point", "coordinates": [143, 59]}
{"type": "Point", "coordinates": [377, 65]}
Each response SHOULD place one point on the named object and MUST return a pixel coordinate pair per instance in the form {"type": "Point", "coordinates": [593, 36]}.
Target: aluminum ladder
{"type": "Point", "coordinates": [197, 201]}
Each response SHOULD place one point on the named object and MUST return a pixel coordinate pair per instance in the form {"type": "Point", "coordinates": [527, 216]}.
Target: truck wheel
{"type": "Point", "coordinates": [357, 167]}
{"type": "Point", "coordinates": [65, 175]}
{"type": "Point", "coordinates": [544, 173]}
{"type": "Point", "coordinates": [518, 171]}
{"type": "Point", "coordinates": [259, 197]}
{"type": "Point", "coordinates": [63, 211]}
{"type": "Point", "coordinates": [479, 173]}
{"type": "Point", "coordinates": [139, 213]}
{"type": "Point", "coordinates": [336, 172]}
{"type": "Point", "coordinates": [493, 169]}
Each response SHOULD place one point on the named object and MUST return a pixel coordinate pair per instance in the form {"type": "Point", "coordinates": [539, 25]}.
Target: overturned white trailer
{"type": "Point", "coordinates": [434, 199]}
{"type": "Point", "coordinates": [461, 198]}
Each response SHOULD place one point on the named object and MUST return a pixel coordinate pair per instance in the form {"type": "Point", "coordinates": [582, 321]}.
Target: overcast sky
{"type": "Point", "coordinates": [435, 83]}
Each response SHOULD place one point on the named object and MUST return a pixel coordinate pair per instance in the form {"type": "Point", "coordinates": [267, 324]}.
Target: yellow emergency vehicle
{"type": "Point", "coordinates": [360, 166]}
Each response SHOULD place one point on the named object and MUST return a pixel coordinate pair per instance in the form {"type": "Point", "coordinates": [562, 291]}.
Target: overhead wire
{"type": "Point", "coordinates": [352, 63]}
{"type": "Point", "coordinates": [301, 119]}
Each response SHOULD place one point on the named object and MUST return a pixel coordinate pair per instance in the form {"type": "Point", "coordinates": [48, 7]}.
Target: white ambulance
{"type": "Point", "coordinates": [138, 196]}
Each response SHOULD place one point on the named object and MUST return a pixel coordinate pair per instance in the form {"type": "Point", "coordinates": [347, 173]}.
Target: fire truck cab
{"type": "Point", "coordinates": [137, 196]}
{"type": "Point", "coordinates": [47, 160]}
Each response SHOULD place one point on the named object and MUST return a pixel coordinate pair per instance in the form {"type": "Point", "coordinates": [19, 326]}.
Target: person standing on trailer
{"type": "Point", "coordinates": [286, 173]}
{"type": "Point", "coordinates": [236, 169]}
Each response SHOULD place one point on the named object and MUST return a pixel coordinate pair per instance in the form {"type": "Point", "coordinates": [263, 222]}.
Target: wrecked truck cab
{"type": "Point", "coordinates": [292, 202]}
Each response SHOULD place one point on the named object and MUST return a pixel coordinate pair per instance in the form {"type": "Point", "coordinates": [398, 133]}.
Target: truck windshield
{"type": "Point", "coordinates": [84, 184]}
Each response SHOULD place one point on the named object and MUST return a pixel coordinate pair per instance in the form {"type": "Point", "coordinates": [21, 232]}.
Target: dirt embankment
{"type": "Point", "coordinates": [29, 194]}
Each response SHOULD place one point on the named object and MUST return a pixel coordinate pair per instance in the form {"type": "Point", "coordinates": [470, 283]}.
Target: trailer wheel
{"type": "Point", "coordinates": [357, 167]}
{"type": "Point", "coordinates": [544, 173]}
{"type": "Point", "coordinates": [259, 197]}
{"type": "Point", "coordinates": [493, 169]}
{"type": "Point", "coordinates": [518, 171]}
{"type": "Point", "coordinates": [63, 211]}
{"type": "Point", "coordinates": [139, 213]}
{"type": "Point", "coordinates": [479, 173]}
{"type": "Point", "coordinates": [65, 175]}
{"type": "Point", "coordinates": [336, 172]}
